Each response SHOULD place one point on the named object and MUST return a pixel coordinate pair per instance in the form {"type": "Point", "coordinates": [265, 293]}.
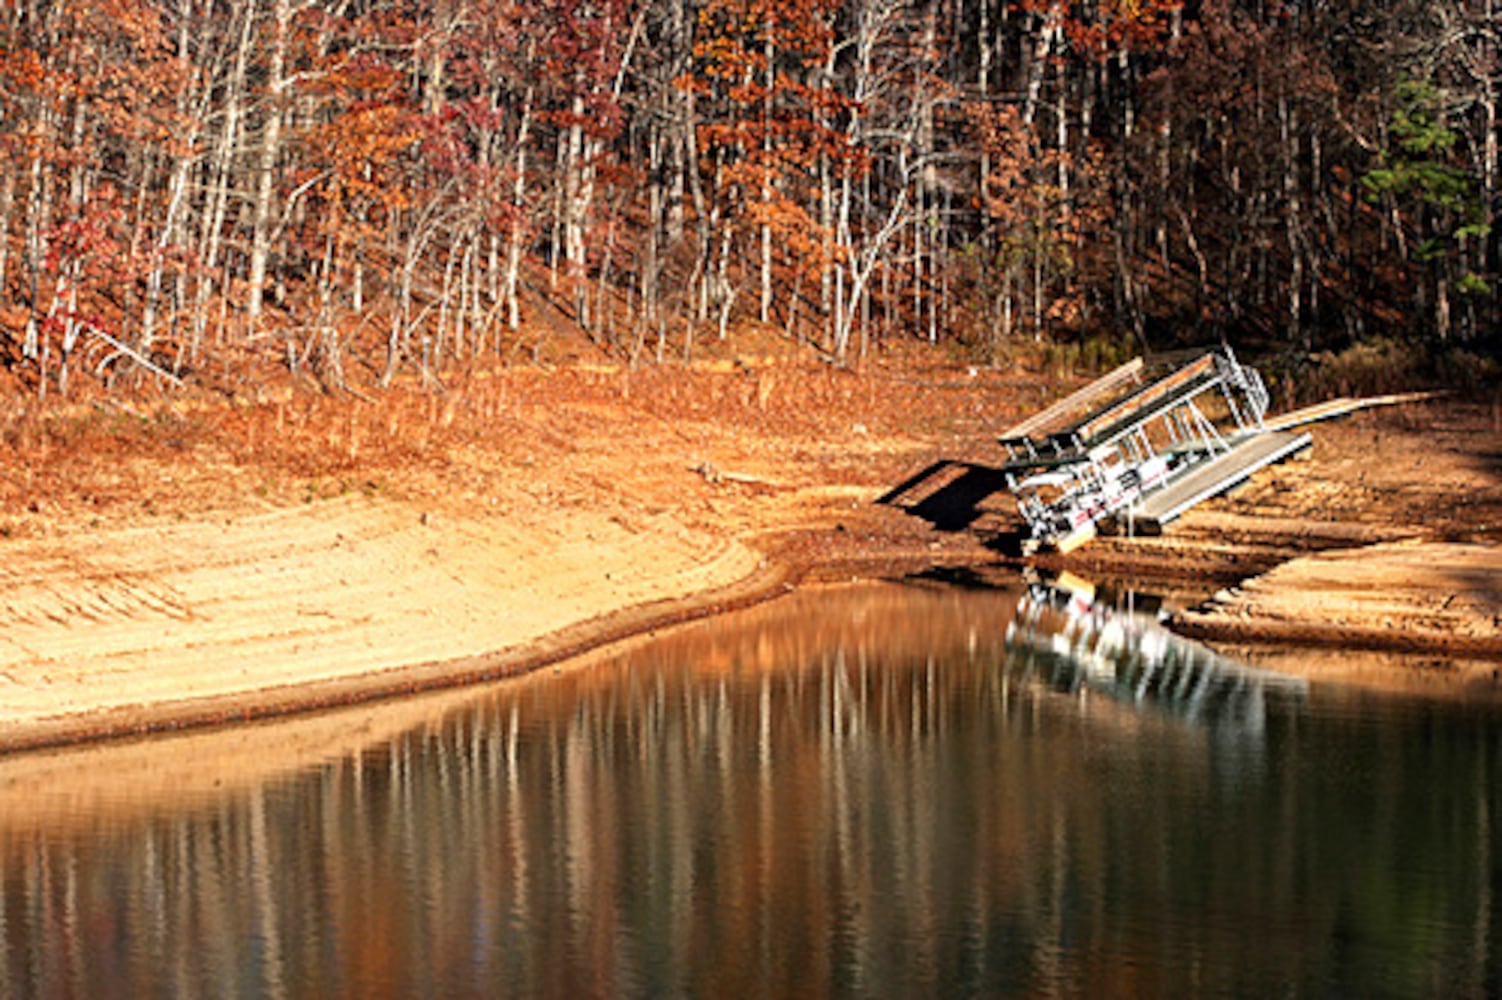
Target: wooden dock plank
{"type": "Point", "coordinates": [1149, 400]}
{"type": "Point", "coordinates": [1215, 477]}
{"type": "Point", "coordinates": [1109, 382]}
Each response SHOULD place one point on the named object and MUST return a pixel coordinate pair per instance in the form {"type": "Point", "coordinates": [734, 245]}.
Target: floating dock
{"type": "Point", "coordinates": [1137, 448]}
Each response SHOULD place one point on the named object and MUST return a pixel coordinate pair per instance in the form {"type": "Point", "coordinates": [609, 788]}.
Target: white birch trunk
{"type": "Point", "coordinates": [271, 145]}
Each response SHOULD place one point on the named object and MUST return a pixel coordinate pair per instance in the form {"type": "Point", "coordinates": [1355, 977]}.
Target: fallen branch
{"type": "Point", "coordinates": [716, 476]}
{"type": "Point", "coordinates": [140, 358]}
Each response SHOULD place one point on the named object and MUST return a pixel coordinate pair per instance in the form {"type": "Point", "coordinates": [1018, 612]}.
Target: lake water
{"type": "Point", "coordinates": [882, 790]}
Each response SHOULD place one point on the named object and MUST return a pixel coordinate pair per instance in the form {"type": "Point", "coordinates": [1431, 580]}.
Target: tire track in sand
{"type": "Point", "coordinates": [149, 616]}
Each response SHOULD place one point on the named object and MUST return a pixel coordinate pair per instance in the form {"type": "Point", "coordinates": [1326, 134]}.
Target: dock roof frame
{"type": "Point", "coordinates": [1125, 413]}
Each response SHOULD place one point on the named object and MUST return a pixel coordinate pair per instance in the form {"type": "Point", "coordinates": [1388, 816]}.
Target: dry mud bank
{"type": "Point", "coordinates": [1410, 596]}
{"type": "Point", "coordinates": [296, 554]}
{"type": "Point", "coordinates": [1387, 539]}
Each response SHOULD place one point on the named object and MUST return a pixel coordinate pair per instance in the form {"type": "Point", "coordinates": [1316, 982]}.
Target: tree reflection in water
{"type": "Point", "coordinates": [863, 791]}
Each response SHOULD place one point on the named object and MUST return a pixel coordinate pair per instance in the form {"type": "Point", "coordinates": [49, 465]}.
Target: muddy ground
{"type": "Point", "coordinates": [173, 560]}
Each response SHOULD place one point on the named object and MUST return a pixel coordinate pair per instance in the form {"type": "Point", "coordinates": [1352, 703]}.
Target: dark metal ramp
{"type": "Point", "coordinates": [1214, 478]}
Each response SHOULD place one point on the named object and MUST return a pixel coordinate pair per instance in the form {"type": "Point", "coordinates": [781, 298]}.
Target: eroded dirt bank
{"type": "Point", "coordinates": [185, 563]}
{"type": "Point", "coordinates": [1387, 538]}
{"type": "Point", "coordinates": [1407, 596]}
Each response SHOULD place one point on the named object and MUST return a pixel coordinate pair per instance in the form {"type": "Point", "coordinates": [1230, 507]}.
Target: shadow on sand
{"type": "Point", "coordinates": [949, 495]}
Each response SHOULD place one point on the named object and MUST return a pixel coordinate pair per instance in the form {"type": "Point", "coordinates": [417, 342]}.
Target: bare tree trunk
{"type": "Point", "coordinates": [1038, 66]}
{"type": "Point", "coordinates": [177, 198]}
{"type": "Point", "coordinates": [38, 209]}
{"type": "Point", "coordinates": [266, 161]}
{"type": "Point", "coordinates": [1443, 324]}
{"type": "Point", "coordinates": [602, 311]}
{"type": "Point", "coordinates": [7, 202]}
{"type": "Point", "coordinates": [211, 232]}
{"type": "Point", "coordinates": [983, 83]}
{"type": "Point", "coordinates": [1061, 134]}
{"type": "Point", "coordinates": [706, 217]}
{"type": "Point", "coordinates": [518, 224]}
{"type": "Point", "coordinates": [724, 296]}
{"type": "Point", "coordinates": [451, 263]}
{"type": "Point", "coordinates": [578, 193]}
{"type": "Point", "coordinates": [679, 110]}
{"type": "Point", "coordinates": [862, 266]}
{"type": "Point", "coordinates": [769, 50]}
{"type": "Point", "coordinates": [1491, 254]}
{"type": "Point", "coordinates": [1288, 133]}
{"type": "Point", "coordinates": [925, 178]}
{"type": "Point", "coordinates": [827, 267]}
{"type": "Point", "coordinates": [651, 251]}
{"type": "Point", "coordinates": [67, 288]}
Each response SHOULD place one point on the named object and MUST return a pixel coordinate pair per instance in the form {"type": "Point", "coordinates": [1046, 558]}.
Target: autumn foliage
{"type": "Point", "coordinates": [360, 192]}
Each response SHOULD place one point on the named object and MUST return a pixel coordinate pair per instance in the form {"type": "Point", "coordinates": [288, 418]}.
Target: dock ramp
{"type": "Point", "coordinates": [1343, 407]}
{"type": "Point", "coordinates": [1214, 477]}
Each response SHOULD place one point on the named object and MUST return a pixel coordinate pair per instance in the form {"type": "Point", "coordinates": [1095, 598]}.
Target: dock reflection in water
{"type": "Point", "coordinates": [1065, 634]}
{"type": "Point", "coordinates": [863, 791]}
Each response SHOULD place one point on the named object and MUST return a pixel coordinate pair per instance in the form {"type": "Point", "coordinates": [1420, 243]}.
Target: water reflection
{"type": "Point", "coordinates": [868, 791]}
{"type": "Point", "coordinates": [1080, 639]}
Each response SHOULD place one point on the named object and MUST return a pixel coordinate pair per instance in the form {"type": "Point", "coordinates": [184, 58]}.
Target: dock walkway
{"type": "Point", "coordinates": [1215, 477]}
{"type": "Point", "coordinates": [1343, 407]}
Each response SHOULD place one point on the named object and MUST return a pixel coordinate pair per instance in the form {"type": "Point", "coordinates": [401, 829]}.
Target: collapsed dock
{"type": "Point", "coordinates": [1133, 452]}
{"type": "Point", "coordinates": [1129, 453]}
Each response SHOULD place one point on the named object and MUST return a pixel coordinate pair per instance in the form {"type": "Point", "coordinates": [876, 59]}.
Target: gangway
{"type": "Point", "coordinates": [1344, 406]}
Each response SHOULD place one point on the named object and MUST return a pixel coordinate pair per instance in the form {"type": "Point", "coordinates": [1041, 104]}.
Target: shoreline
{"type": "Point", "coordinates": [160, 589]}
{"type": "Point", "coordinates": [1450, 605]}
{"type": "Point", "coordinates": [203, 623]}
{"type": "Point", "coordinates": [313, 696]}
{"type": "Point", "coordinates": [303, 687]}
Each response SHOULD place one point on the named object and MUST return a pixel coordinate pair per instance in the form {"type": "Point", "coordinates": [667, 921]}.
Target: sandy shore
{"type": "Point", "coordinates": [1450, 600]}
{"type": "Point", "coordinates": [170, 625]}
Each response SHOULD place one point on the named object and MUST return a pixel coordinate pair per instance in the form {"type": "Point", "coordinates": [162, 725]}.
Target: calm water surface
{"type": "Point", "coordinates": [883, 790]}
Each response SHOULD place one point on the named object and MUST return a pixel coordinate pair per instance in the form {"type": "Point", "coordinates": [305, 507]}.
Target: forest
{"type": "Point", "coordinates": [365, 190]}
